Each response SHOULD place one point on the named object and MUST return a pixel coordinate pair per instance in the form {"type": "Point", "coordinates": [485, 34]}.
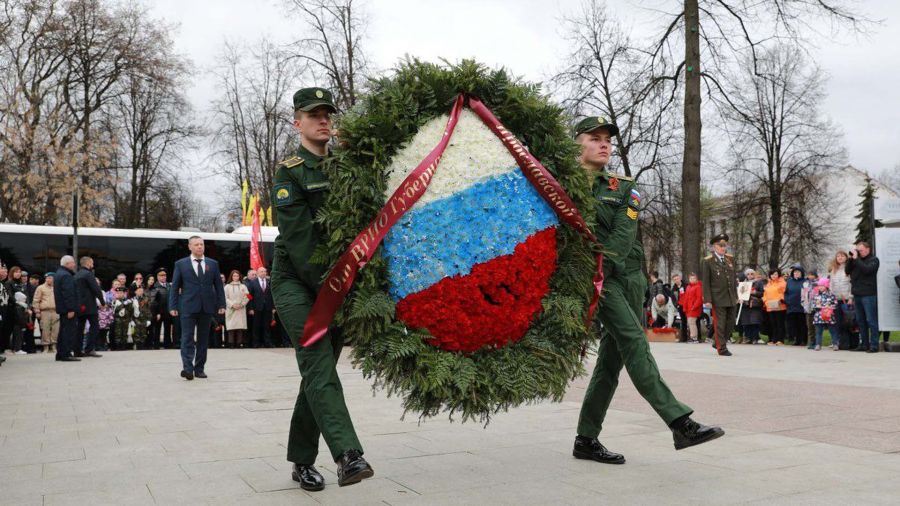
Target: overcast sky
{"type": "Point", "coordinates": [524, 36]}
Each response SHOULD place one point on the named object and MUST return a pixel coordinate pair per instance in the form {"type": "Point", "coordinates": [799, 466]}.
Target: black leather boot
{"type": "Point", "coordinates": [308, 477]}
{"type": "Point", "coordinates": [687, 433]}
{"type": "Point", "coordinates": [352, 468]}
{"type": "Point", "coordinates": [591, 449]}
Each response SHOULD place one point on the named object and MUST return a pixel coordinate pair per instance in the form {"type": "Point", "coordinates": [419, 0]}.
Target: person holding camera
{"type": "Point", "coordinates": [862, 267]}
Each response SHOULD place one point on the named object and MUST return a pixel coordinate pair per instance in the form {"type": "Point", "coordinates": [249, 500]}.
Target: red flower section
{"type": "Point", "coordinates": [490, 307]}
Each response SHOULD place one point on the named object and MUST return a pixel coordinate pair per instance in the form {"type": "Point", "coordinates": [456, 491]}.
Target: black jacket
{"type": "Point", "coordinates": [159, 299]}
{"type": "Point", "coordinates": [862, 272]}
{"type": "Point", "coordinates": [65, 291]}
{"type": "Point", "coordinates": [88, 291]}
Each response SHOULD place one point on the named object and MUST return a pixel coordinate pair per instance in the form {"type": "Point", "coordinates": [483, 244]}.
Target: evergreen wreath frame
{"type": "Point", "coordinates": [430, 380]}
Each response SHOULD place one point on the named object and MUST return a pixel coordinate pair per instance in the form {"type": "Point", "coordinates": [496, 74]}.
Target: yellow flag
{"type": "Point", "coordinates": [245, 187]}
{"type": "Point", "coordinates": [269, 216]}
{"type": "Point", "coordinates": [248, 218]}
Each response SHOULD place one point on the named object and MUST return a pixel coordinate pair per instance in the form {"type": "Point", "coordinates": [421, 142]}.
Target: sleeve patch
{"type": "Point", "coordinates": [635, 198]}
{"type": "Point", "coordinates": [633, 214]}
{"type": "Point", "coordinates": [283, 194]}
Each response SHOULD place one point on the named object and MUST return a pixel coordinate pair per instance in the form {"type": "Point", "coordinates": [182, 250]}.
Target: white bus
{"type": "Point", "coordinates": [37, 249]}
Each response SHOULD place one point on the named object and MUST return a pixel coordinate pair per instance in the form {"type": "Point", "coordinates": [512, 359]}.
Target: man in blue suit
{"type": "Point", "coordinates": [197, 293]}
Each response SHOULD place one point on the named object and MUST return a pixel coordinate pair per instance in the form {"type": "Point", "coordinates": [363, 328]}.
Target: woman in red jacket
{"type": "Point", "coordinates": [692, 304]}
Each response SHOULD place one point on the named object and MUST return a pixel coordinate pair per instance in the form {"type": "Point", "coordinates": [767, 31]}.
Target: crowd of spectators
{"type": "Point", "coordinates": [797, 307]}
{"type": "Point", "coordinates": [128, 314]}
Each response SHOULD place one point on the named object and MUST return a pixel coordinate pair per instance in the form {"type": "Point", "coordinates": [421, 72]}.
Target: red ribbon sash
{"type": "Point", "coordinates": [339, 280]}
{"type": "Point", "coordinates": [341, 276]}
{"type": "Point", "coordinates": [549, 189]}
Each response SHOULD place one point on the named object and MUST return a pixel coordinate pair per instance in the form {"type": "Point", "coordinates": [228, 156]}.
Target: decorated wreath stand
{"type": "Point", "coordinates": [476, 299]}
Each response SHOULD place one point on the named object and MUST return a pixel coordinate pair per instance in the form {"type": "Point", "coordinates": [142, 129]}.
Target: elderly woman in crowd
{"type": "Point", "coordinates": [773, 302]}
{"type": "Point", "coordinates": [840, 287]}
{"type": "Point", "coordinates": [236, 299]}
{"type": "Point", "coordinates": [752, 310]}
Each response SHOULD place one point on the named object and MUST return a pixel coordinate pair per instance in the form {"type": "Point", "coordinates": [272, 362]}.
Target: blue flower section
{"type": "Point", "coordinates": [447, 237]}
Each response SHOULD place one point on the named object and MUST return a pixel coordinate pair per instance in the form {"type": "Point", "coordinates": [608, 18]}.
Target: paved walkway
{"type": "Point", "coordinates": [803, 427]}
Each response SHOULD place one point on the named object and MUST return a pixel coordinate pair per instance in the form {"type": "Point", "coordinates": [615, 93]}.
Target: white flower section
{"type": "Point", "coordinates": [474, 154]}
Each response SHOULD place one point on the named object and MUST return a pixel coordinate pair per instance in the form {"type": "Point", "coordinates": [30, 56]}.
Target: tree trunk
{"type": "Point", "coordinates": [775, 248]}
{"type": "Point", "coordinates": [690, 168]}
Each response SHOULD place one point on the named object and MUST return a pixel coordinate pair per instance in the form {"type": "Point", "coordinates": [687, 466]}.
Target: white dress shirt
{"type": "Point", "coordinates": [194, 264]}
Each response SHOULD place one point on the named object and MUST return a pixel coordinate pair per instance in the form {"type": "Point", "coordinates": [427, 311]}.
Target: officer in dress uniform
{"type": "Point", "coordinates": [299, 191]}
{"type": "Point", "coordinates": [622, 339]}
{"type": "Point", "coordinates": [720, 290]}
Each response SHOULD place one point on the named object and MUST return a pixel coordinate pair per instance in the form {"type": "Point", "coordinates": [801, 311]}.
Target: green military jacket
{"type": "Point", "coordinates": [617, 207]}
{"type": "Point", "coordinates": [298, 192]}
{"type": "Point", "coordinates": [719, 280]}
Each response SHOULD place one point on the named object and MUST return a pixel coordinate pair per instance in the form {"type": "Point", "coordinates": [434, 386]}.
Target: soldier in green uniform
{"type": "Point", "coordinates": [720, 291]}
{"type": "Point", "coordinates": [298, 192]}
{"type": "Point", "coordinates": [622, 341]}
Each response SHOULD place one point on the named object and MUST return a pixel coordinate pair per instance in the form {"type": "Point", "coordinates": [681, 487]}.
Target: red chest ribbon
{"type": "Point", "coordinates": [339, 280]}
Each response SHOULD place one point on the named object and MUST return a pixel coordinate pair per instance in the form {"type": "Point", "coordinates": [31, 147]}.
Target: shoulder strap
{"type": "Point", "coordinates": [291, 162]}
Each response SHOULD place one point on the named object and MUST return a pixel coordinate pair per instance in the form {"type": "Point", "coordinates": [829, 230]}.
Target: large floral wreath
{"type": "Point", "coordinates": [468, 315]}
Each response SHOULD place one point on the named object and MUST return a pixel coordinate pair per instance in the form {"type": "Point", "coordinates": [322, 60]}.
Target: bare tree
{"type": "Point", "coordinates": [333, 45]}
{"type": "Point", "coordinates": [254, 114]}
{"type": "Point", "coordinates": [105, 44]}
{"type": "Point", "coordinates": [607, 74]}
{"type": "Point", "coordinates": [155, 130]}
{"type": "Point", "coordinates": [35, 181]}
{"type": "Point", "coordinates": [67, 70]}
{"type": "Point", "coordinates": [722, 30]}
{"type": "Point", "coordinates": [782, 145]}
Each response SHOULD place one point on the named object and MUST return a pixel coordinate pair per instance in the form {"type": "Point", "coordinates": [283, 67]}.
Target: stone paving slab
{"type": "Point", "coordinates": [802, 428]}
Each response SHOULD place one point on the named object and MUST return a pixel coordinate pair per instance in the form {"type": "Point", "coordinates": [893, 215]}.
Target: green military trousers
{"type": "Point", "coordinates": [623, 343]}
{"type": "Point", "coordinates": [320, 406]}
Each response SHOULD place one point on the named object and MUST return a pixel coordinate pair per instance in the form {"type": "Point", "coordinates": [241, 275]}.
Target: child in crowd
{"type": "Point", "coordinates": [824, 307]}
{"type": "Point", "coordinates": [142, 318]}
{"type": "Point", "coordinates": [692, 304]}
{"type": "Point", "coordinates": [808, 293]}
{"type": "Point", "coordinates": [20, 322]}
{"type": "Point", "coordinates": [123, 314]}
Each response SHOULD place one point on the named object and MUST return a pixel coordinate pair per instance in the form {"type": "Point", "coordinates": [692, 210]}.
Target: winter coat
{"type": "Point", "coordinates": [89, 291]}
{"type": "Point", "coordinates": [65, 291]}
{"type": "Point", "coordinates": [807, 295]}
{"type": "Point", "coordinates": [44, 299]}
{"type": "Point", "coordinates": [773, 295]}
{"type": "Point", "coordinates": [824, 304]}
{"type": "Point", "coordinates": [840, 284]}
{"type": "Point", "coordinates": [657, 288]}
{"type": "Point", "coordinates": [752, 314]}
{"type": "Point", "coordinates": [794, 291]}
{"type": "Point", "coordinates": [692, 300]}
{"type": "Point", "coordinates": [862, 273]}
{"type": "Point", "coordinates": [236, 293]}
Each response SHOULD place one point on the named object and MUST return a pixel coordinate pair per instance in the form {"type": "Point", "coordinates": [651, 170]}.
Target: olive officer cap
{"type": "Point", "coordinates": [594, 123]}
{"type": "Point", "coordinates": [307, 99]}
{"type": "Point", "coordinates": [719, 238]}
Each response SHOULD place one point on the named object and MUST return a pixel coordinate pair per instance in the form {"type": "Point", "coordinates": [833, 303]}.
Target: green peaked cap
{"type": "Point", "coordinates": [593, 123]}
{"type": "Point", "coordinates": [307, 99]}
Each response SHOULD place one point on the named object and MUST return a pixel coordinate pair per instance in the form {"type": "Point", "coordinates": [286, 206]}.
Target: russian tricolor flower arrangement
{"type": "Point", "coordinates": [476, 300]}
